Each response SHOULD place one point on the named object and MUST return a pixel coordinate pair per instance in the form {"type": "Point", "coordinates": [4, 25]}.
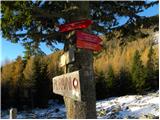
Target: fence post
{"type": "Point", "coordinates": [13, 113]}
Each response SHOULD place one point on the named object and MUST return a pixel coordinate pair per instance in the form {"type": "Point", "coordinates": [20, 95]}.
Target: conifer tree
{"type": "Point", "coordinates": [36, 81]}
{"type": "Point", "coordinates": [42, 83]}
{"type": "Point", "coordinates": [123, 83]}
{"type": "Point", "coordinates": [156, 63]}
{"type": "Point", "coordinates": [31, 75]}
{"type": "Point", "coordinates": [138, 76]}
{"type": "Point", "coordinates": [38, 19]}
{"type": "Point", "coordinates": [110, 79]}
{"type": "Point", "coordinates": [18, 80]}
{"type": "Point", "coordinates": [151, 76]}
{"type": "Point", "coordinates": [7, 85]}
{"type": "Point", "coordinates": [101, 84]}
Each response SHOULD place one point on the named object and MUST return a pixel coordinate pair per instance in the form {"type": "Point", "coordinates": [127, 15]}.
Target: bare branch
{"type": "Point", "coordinates": [70, 9]}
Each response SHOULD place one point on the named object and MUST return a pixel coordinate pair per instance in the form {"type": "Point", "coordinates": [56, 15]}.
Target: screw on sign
{"type": "Point", "coordinates": [75, 83]}
{"type": "Point", "coordinates": [75, 25]}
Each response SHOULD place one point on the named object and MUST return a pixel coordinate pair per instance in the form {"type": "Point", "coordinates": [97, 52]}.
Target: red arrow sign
{"type": "Point", "coordinates": [75, 25]}
{"type": "Point", "coordinates": [88, 45]}
{"type": "Point", "coordinates": [87, 37]}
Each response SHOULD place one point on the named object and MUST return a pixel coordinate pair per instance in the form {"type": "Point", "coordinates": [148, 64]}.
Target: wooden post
{"type": "Point", "coordinates": [13, 113]}
{"type": "Point", "coordinates": [85, 109]}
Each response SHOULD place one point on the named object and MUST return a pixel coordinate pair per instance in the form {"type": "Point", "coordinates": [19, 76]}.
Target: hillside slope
{"type": "Point", "coordinates": [121, 55]}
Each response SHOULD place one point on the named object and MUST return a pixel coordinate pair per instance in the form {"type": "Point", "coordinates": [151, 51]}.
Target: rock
{"type": "Point", "coordinates": [131, 117]}
{"type": "Point", "coordinates": [127, 108]}
{"type": "Point", "coordinates": [123, 104]}
{"type": "Point", "coordinates": [149, 116]}
{"type": "Point", "coordinates": [31, 116]}
{"type": "Point", "coordinates": [56, 110]}
{"type": "Point", "coordinates": [116, 108]}
{"type": "Point", "coordinates": [112, 115]}
{"type": "Point", "coordinates": [101, 113]}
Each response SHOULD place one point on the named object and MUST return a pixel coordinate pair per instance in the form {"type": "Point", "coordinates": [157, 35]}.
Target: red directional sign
{"type": "Point", "coordinates": [75, 25]}
{"type": "Point", "coordinates": [87, 37]}
{"type": "Point", "coordinates": [88, 45]}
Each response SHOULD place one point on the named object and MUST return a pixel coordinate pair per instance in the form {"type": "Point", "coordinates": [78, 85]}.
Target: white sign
{"type": "Point", "coordinates": [67, 58]}
{"type": "Point", "coordinates": [68, 85]}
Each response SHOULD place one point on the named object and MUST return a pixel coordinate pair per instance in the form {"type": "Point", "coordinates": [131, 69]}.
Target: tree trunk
{"type": "Point", "coordinates": [85, 109]}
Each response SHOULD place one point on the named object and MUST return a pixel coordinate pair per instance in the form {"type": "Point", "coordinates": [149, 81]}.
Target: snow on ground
{"type": "Point", "coordinates": [156, 37]}
{"type": "Point", "coordinates": [54, 111]}
{"type": "Point", "coordinates": [129, 106]}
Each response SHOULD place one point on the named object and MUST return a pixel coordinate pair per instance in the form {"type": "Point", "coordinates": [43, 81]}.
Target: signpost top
{"type": "Point", "coordinates": [75, 25]}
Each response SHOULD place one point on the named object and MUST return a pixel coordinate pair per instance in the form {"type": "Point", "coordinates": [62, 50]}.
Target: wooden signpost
{"type": "Point", "coordinates": [68, 85]}
{"type": "Point", "coordinates": [78, 86]}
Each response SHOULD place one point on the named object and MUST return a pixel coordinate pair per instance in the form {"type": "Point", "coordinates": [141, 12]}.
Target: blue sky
{"type": "Point", "coordinates": [10, 50]}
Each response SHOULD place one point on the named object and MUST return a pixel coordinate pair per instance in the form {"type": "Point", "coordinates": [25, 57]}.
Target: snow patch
{"type": "Point", "coordinates": [124, 107]}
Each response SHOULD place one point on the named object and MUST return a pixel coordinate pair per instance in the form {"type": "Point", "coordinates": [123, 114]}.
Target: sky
{"type": "Point", "coordinates": [10, 51]}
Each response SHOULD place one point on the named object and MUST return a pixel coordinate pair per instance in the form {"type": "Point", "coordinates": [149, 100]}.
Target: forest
{"type": "Point", "coordinates": [119, 69]}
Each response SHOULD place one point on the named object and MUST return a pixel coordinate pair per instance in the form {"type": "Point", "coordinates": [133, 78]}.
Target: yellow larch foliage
{"type": "Point", "coordinates": [120, 56]}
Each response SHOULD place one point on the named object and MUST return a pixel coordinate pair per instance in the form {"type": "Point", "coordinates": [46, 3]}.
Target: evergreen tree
{"type": "Point", "coordinates": [18, 80]}
{"type": "Point", "coordinates": [151, 76]}
{"type": "Point", "coordinates": [110, 80]}
{"type": "Point", "coordinates": [42, 83]}
{"type": "Point", "coordinates": [101, 86]}
{"type": "Point", "coordinates": [36, 81]}
{"type": "Point", "coordinates": [52, 71]}
{"type": "Point", "coordinates": [30, 75]}
{"type": "Point", "coordinates": [123, 83]}
{"type": "Point", "coordinates": [138, 76]}
{"type": "Point", "coordinates": [156, 73]}
{"type": "Point", "coordinates": [39, 19]}
{"type": "Point", "coordinates": [27, 52]}
{"type": "Point", "coordinates": [7, 91]}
